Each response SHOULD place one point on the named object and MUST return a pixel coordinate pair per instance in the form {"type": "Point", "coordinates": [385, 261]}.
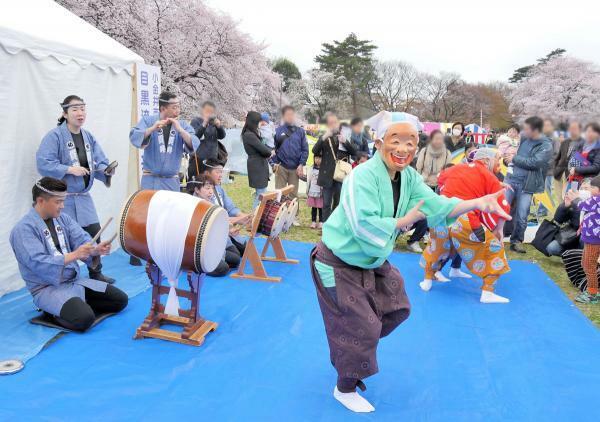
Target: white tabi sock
{"type": "Point", "coordinates": [439, 276]}
{"type": "Point", "coordinates": [353, 401]}
{"type": "Point", "coordinates": [425, 284]}
{"type": "Point", "coordinates": [456, 272]}
{"type": "Point", "coordinates": [491, 297]}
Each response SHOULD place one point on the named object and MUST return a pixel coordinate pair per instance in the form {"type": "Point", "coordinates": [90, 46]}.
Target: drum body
{"type": "Point", "coordinates": [273, 218]}
{"type": "Point", "coordinates": [205, 241]}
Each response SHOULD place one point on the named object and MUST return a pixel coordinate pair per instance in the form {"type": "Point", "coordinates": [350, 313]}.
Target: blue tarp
{"type": "Point", "coordinates": [453, 360]}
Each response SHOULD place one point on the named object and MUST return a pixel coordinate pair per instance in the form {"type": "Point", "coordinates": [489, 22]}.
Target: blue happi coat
{"type": "Point", "coordinates": [42, 265]}
{"type": "Point", "coordinates": [56, 154]}
{"type": "Point", "coordinates": [161, 165]}
{"type": "Point", "coordinates": [221, 198]}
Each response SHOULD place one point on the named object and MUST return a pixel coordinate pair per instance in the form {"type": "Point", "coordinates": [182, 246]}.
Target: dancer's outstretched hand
{"type": "Point", "coordinates": [489, 204]}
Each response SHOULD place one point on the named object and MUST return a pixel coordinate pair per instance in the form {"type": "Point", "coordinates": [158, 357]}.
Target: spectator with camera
{"type": "Point", "coordinates": [209, 130]}
{"type": "Point", "coordinates": [561, 160]}
{"type": "Point", "coordinates": [333, 147]}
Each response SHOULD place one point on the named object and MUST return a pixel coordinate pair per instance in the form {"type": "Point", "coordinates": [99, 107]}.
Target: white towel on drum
{"type": "Point", "coordinates": [169, 217]}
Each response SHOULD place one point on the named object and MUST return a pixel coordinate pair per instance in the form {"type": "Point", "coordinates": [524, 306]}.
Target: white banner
{"type": "Point", "coordinates": [148, 91]}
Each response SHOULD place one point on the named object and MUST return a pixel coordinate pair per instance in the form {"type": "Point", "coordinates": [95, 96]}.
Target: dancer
{"type": "Point", "coordinates": [71, 153]}
{"type": "Point", "coordinates": [361, 295]}
{"type": "Point", "coordinates": [476, 236]}
{"type": "Point", "coordinates": [48, 245]}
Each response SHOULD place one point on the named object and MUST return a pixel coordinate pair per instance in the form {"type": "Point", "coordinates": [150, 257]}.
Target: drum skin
{"type": "Point", "coordinates": [132, 229]}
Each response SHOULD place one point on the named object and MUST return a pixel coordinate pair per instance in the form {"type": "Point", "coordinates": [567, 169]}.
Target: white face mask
{"type": "Point", "coordinates": [584, 194]}
{"type": "Point", "coordinates": [456, 132]}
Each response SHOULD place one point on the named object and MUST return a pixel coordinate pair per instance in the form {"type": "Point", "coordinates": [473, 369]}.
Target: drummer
{"type": "Point", "coordinates": [73, 154]}
{"type": "Point", "coordinates": [203, 188]}
{"type": "Point", "coordinates": [164, 138]}
{"type": "Point", "coordinates": [47, 244]}
{"type": "Point", "coordinates": [213, 170]}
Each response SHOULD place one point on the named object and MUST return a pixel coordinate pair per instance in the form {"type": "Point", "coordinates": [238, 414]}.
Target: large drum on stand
{"type": "Point", "coordinates": [203, 243]}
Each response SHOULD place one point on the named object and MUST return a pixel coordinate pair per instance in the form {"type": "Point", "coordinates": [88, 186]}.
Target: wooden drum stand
{"type": "Point", "coordinates": [251, 253]}
{"type": "Point", "coordinates": [195, 328]}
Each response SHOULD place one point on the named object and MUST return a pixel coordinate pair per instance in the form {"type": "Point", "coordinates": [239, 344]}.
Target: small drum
{"type": "Point", "coordinates": [273, 218]}
{"type": "Point", "coordinates": [292, 204]}
{"type": "Point", "coordinates": [207, 233]}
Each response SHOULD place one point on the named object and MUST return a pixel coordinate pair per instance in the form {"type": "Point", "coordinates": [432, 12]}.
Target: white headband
{"type": "Point", "coordinates": [53, 193]}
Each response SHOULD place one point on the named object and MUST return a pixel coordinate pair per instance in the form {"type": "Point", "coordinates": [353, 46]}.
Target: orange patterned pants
{"type": "Point", "coordinates": [485, 259]}
{"type": "Point", "coordinates": [589, 262]}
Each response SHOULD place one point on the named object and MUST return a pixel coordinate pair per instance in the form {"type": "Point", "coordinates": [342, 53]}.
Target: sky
{"type": "Point", "coordinates": [481, 40]}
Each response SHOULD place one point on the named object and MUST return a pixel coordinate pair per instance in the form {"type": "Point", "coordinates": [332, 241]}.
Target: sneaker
{"type": "Point", "coordinates": [320, 226]}
{"type": "Point", "coordinates": [517, 247]}
{"type": "Point", "coordinates": [313, 225]}
{"type": "Point", "coordinates": [414, 247]}
{"type": "Point", "coordinates": [586, 297]}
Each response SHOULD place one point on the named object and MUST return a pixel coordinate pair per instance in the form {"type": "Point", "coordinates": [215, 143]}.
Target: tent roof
{"type": "Point", "coordinates": [43, 28]}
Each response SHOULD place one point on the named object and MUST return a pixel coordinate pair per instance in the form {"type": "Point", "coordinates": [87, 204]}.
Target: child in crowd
{"type": "Point", "coordinates": [590, 236]}
{"type": "Point", "coordinates": [314, 192]}
{"type": "Point", "coordinates": [361, 157]}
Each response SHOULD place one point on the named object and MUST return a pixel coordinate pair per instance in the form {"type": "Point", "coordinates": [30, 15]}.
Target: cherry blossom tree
{"type": "Point", "coordinates": [562, 88]}
{"type": "Point", "coordinates": [202, 53]}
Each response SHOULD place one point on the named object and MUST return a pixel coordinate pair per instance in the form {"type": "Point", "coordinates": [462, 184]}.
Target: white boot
{"type": "Point", "coordinates": [425, 285]}
{"type": "Point", "coordinates": [414, 247]}
{"type": "Point", "coordinates": [457, 273]}
{"type": "Point", "coordinates": [353, 401]}
{"type": "Point", "coordinates": [491, 297]}
{"type": "Point", "coordinates": [441, 277]}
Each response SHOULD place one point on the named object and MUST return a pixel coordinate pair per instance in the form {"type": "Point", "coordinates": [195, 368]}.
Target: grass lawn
{"type": "Point", "coordinates": [242, 196]}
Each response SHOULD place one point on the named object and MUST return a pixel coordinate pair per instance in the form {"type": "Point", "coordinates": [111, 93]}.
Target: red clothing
{"type": "Point", "coordinates": [470, 181]}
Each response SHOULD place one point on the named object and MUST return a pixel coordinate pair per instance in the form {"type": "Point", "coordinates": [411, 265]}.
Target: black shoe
{"type": "Point", "coordinates": [101, 277]}
{"type": "Point", "coordinates": [517, 247]}
{"type": "Point", "coordinates": [136, 262]}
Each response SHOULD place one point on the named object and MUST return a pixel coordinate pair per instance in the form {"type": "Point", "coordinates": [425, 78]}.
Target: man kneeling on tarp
{"type": "Point", "coordinates": [47, 245]}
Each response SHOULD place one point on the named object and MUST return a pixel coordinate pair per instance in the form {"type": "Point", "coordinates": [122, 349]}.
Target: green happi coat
{"type": "Point", "coordinates": [362, 229]}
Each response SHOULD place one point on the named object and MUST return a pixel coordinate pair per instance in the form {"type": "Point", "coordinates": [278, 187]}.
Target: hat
{"type": "Point", "coordinates": [384, 119]}
{"type": "Point", "coordinates": [264, 117]}
{"type": "Point", "coordinates": [484, 153]}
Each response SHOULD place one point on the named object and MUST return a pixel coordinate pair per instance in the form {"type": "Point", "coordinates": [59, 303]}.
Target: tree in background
{"type": "Point", "coordinates": [562, 87]}
{"type": "Point", "coordinates": [352, 60]}
{"type": "Point", "coordinates": [395, 86]}
{"type": "Point", "coordinates": [522, 72]}
{"type": "Point", "coordinates": [288, 71]}
{"type": "Point", "coordinates": [318, 93]}
{"type": "Point", "coordinates": [202, 53]}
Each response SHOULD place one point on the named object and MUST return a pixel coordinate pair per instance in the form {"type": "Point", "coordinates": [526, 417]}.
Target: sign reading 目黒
{"type": "Point", "coordinates": [148, 91]}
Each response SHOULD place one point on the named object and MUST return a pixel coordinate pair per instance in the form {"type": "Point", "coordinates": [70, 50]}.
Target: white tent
{"type": "Point", "coordinates": [47, 53]}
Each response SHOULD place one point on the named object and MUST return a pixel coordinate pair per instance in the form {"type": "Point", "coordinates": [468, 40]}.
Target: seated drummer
{"type": "Point", "coordinates": [203, 188]}
{"type": "Point", "coordinates": [47, 245]}
{"type": "Point", "coordinates": [213, 170]}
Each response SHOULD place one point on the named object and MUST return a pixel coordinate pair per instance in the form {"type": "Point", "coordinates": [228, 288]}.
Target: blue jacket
{"type": "Point", "coordinates": [291, 147]}
{"type": "Point", "coordinates": [531, 164]}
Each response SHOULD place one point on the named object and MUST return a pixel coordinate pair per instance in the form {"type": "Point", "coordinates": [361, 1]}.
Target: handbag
{"type": "Point", "coordinates": [567, 236]}
{"type": "Point", "coordinates": [342, 168]}
{"type": "Point", "coordinates": [544, 235]}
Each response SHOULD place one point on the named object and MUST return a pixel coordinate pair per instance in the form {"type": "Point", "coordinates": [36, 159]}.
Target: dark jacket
{"type": "Point", "coordinates": [531, 163]}
{"type": "Point", "coordinates": [561, 159]}
{"type": "Point", "coordinates": [328, 159]}
{"type": "Point", "coordinates": [593, 157]}
{"type": "Point", "coordinates": [258, 160]}
{"type": "Point", "coordinates": [569, 215]}
{"type": "Point", "coordinates": [360, 141]}
{"type": "Point", "coordinates": [451, 146]}
{"type": "Point", "coordinates": [209, 138]}
{"type": "Point", "coordinates": [291, 147]}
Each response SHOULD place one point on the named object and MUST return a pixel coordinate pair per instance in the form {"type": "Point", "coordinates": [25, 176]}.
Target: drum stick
{"type": "Point", "coordinates": [95, 238]}
{"type": "Point", "coordinates": [111, 240]}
